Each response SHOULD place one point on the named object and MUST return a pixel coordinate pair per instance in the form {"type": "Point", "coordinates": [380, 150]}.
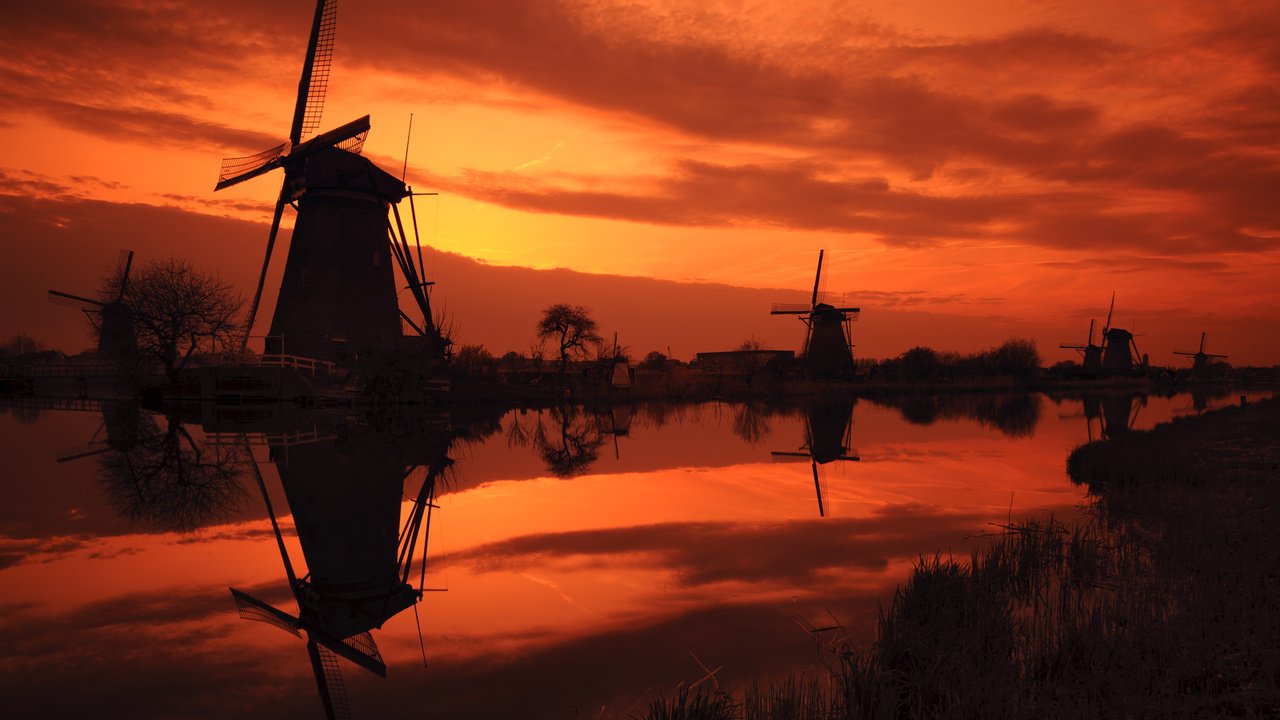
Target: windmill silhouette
{"type": "Point", "coordinates": [117, 338]}
{"type": "Point", "coordinates": [338, 298]}
{"type": "Point", "coordinates": [828, 431]}
{"type": "Point", "coordinates": [360, 572]}
{"type": "Point", "coordinates": [1091, 353]}
{"type": "Point", "coordinates": [828, 343]}
{"type": "Point", "coordinates": [1119, 350]}
{"type": "Point", "coordinates": [1200, 360]}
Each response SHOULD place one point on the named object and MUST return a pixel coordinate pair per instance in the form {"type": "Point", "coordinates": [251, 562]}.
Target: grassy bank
{"type": "Point", "coordinates": [1165, 604]}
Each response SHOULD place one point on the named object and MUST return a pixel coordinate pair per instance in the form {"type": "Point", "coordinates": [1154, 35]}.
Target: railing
{"type": "Point", "coordinates": [270, 439]}
{"type": "Point", "coordinates": [75, 370]}
{"type": "Point", "coordinates": [297, 362]}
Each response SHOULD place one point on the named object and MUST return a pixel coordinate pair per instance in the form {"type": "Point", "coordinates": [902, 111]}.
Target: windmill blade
{"type": "Point", "coordinates": [251, 608]}
{"type": "Point", "coordinates": [790, 309]}
{"type": "Point", "coordinates": [87, 450]}
{"type": "Point", "coordinates": [779, 456]}
{"type": "Point", "coordinates": [262, 274]}
{"type": "Point", "coordinates": [349, 137]}
{"type": "Point", "coordinates": [315, 71]}
{"type": "Point", "coordinates": [236, 170]}
{"type": "Point", "coordinates": [57, 297]}
{"type": "Point", "coordinates": [1107, 326]}
{"type": "Point", "coordinates": [333, 694]}
{"type": "Point", "coordinates": [817, 486]}
{"type": "Point", "coordinates": [359, 649]}
{"type": "Point", "coordinates": [122, 272]}
{"type": "Point", "coordinates": [1090, 331]}
{"type": "Point", "coordinates": [816, 278]}
{"type": "Point", "coordinates": [1202, 338]}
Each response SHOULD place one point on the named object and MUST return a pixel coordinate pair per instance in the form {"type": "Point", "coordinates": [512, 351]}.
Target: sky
{"type": "Point", "coordinates": [974, 170]}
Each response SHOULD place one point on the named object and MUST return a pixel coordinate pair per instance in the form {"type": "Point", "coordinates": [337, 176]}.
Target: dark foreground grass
{"type": "Point", "coordinates": [1165, 604]}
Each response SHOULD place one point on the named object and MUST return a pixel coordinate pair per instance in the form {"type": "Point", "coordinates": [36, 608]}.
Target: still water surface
{"type": "Point", "coordinates": [580, 561]}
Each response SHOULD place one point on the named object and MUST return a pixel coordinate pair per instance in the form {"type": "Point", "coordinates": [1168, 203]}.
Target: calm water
{"type": "Point", "coordinates": [580, 562]}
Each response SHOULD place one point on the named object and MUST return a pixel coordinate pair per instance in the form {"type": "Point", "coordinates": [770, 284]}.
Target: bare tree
{"type": "Point", "coordinates": [179, 311]}
{"type": "Point", "coordinates": [572, 327]}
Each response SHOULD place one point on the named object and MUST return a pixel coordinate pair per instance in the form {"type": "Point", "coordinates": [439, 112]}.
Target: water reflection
{"type": "Point", "coordinates": [686, 537]}
{"type": "Point", "coordinates": [1014, 414]}
{"type": "Point", "coordinates": [828, 430]}
{"type": "Point", "coordinates": [344, 481]}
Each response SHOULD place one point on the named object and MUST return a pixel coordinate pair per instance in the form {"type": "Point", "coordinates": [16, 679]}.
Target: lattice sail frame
{"type": "Point", "coordinates": [322, 62]}
{"type": "Point", "coordinates": [236, 166]}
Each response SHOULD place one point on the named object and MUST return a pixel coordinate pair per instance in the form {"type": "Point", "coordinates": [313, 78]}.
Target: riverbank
{"type": "Point", "coordinates": [1165, 604]}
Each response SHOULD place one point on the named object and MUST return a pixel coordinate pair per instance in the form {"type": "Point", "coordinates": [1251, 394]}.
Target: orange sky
{"type": "Point", "coordinates": [1002, 165]}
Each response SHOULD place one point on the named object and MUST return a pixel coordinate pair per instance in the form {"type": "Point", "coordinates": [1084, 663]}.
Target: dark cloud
{"type": "Point", "coordinates": [701, 553]}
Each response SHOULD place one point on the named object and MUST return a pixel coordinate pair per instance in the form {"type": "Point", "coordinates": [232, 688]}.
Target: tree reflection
{"type": "Point", "coordinates": [751, 423]}
{"type": "Point", "coordinates": [171, 482]}
{"type": "Point", "coordinates": [572, 442]}
{"type": "Point", "coordinates": [1015, 414]}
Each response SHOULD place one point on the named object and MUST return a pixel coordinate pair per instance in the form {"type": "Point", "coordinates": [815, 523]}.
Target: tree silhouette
{"type": "Point", "coordinates": [572, 327]}
{"type": "Point", "coordinates": [179, 311]}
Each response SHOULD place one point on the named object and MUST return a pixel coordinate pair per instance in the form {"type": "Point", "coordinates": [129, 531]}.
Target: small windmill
{"type": "Point", "coordinates": [1200, 360]}
{"type": "Point", "coordinates": [828, 342]}
{"type": "Point", "coordinates": [1091, 353]}
{"type": "Point", "coordinates": [828, 437]}
{"type": "Point", "coordinates": [338, 297]}
{"type": "Point", "coordinates": [117, 339]}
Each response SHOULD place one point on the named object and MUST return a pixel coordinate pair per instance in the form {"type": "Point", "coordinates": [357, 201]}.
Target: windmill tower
{"type": "Point", "coordinates": [338, 297]}
{"type": "Point", "coordinates": [1200, 360]}
{"type": "Point", "coordinates": [828, 344]}
{"type": "Point", "coordinates": [1091, 353]}
{"type": "Point", "coordinates": [828, 430]}
{"type": "Point", "coordinates": [1119, 349]}
{"type": "Point", "coordinates": [346, 502]}
{"type": "Point", "coordinates": [117, 339]}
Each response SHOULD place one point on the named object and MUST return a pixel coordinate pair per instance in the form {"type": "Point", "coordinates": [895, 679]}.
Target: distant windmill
{"type": "Point", "coordinates": [338, 296]}
{"type": "Point", "coordinates": [828, 342]}
{"type": "Point", "coordinates": [1119, 350]}
{"type": "Point", "coordinates": [1091, 353]}
{"type": "Point", "coordinates": [1200, 360]}
{"type": "Point", "coordinates": [117, 339]}
{"type": "Point", "coordinates": [828, 431]}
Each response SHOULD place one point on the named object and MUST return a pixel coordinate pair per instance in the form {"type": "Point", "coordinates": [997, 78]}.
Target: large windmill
{"type": "Point", "coordinates": [338, 295]}
{"type": "Point", "coordinates": [828, 344]}
{"type": "Point", "coordinates": [359, 574]}
{"type": "Point", "coordinates": [828, 431]}
{"type": "Point", "coordinates": [1119, 350]}
{"type": "Point", "coordinates": [114, 319]}
{"type": "Point", "coordinates": [1200, 360]}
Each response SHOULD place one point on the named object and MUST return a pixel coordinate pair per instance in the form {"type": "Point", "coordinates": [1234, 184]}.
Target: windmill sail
{"type": "Point", "coordinates": [251, 608]}
{"type": "Point", "coordinates": [314, 82]}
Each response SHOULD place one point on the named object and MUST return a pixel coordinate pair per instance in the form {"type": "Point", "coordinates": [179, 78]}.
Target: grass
{"type": "Point", "coordinates": [1166, 603]}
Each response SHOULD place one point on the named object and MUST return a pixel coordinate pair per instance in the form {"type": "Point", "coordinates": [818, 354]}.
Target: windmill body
{"type": "Point", "coordinates": [116, 321]}
{"type": "Point", "coordinates": [1116, 354]}
{"type": "Point", "coordinates": [338, 295]}
{"type": "Point", "coordinates": [828, 345]}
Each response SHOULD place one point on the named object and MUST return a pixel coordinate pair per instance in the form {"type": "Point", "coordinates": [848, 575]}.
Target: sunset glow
{"type": "Point", "coordinates": [974, 170]}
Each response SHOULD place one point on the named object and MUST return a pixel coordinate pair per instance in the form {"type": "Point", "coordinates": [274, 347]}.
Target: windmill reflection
{"type": "Point", "coordinates": [156, 473]}
{"type": "Point", "coordinates": [365, 559]}
{"type": "Point", "coordinates": [828, 431]}
{"type": "Point", "coordinates": [1115, 413]}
